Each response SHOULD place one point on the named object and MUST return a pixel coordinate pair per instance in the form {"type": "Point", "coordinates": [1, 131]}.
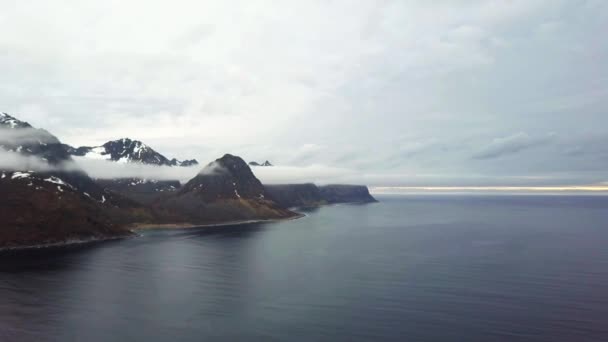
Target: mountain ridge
{"type": "Point", "coordinates": [60, 203]}
{"type": "Point", "coordinates": [127, 150]}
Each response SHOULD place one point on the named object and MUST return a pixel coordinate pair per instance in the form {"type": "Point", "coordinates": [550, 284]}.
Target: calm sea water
{"type": "Point", "coordinates": [429, 268]}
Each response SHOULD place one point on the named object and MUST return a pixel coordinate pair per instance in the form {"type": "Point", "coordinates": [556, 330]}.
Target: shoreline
{"type": "Point", "coordinates": [137, 227]}
{"type": "Point", "coordinates": [67, 243]}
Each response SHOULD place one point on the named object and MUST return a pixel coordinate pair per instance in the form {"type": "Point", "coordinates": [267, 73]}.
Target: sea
{"type": "Point", "coordinates": [409, 268]}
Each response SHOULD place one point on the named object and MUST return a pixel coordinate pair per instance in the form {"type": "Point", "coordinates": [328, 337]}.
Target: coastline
{"type": "Point", "coordinates": [136, 227]}
{"type": "Point", "coordinates": [67, 243]}
{"type": "Point", "coordinates": [133, 229]}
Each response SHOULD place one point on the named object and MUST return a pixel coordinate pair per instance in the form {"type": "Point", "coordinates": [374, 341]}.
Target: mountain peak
{"type": "Point", "coordinates": [12, 122]}
{"type": "Point", "coordinates": [129, 150]}
{"type": "Point", "coordinates": [33, 142]}
{"type": "Point", "coordinates": [231, 163]}
{"type": "Point", "coordinates": [226, 177]}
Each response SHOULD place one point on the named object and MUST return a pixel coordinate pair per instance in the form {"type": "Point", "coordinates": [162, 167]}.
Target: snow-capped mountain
{"type": "Point", "coordinates": [45, 198]}
{"type": "Point", "coordinates": [49, 160]}
{"type": "Point", "coordinates": [19, 136]}
{"type": "Point", "coordinates": [7, 121]}
{"type": "Point", "coordinates": [128, 151]}
{"type": "Point", "coordinates": [185, 163]}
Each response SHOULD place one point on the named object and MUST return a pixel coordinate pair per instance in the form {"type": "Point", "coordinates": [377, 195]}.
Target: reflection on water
{"type": "Point", "coordinates": [414, 268]}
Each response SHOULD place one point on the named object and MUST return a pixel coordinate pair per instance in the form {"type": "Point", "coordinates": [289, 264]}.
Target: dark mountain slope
{"type": "Point", "coordinates": [57, 202]}
{"type": "Point", "coordinates": [37, 209]}
{"type": "Point", "coordinates": [225, 190]}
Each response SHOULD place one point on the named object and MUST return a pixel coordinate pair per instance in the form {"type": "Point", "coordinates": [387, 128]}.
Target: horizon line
{"type": "Point", "coordinates": [483, 189]}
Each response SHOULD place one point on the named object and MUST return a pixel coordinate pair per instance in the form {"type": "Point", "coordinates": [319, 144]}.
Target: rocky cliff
{"type": "Point", "coordinates": [295, 195]}
{"type": "Point", "coordinates": [301, 195]}
{"type": "Point", "coordinates": [342, 193]}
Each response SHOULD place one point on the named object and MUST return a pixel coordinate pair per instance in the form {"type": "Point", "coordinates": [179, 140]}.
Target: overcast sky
{"type": "Point", "coordinates": [383, 92]}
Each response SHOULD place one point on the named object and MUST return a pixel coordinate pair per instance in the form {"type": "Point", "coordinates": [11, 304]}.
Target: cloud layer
{"type": "Point", "coordinates": [497, 89]}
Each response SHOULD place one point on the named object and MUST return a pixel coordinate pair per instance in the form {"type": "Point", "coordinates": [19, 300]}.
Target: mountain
{"type": "Point", "coordinates": [225, 190]}
{"type": "Point", "coordinates": [20, 137]}
{"type": "Point", "coordinates": [57, 202]}
{"type": "Point", "coordinates": [185, 163]}
{"type": "Point", "coordinates": [47, 199]}
{"type": "Point", "coordinates": [127, 150]}
{"type": "Point", "coordinates": [40, 209]}
{"type": "Point", "coordinates": [304, 195]}
{"type": "Point", "coordinates": [266, 163]}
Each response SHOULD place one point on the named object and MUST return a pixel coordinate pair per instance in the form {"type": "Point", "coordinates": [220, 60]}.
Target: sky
{"type": "Point", "coordinates": [385, 93]}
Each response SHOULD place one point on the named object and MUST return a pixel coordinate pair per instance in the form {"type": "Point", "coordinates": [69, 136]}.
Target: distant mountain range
{"type": "Point", "coordinates": [128, 151]}
{"type": "Point", "coordinates": [41, 143]}
{"type": "Point", "coordinates": [266, 163]}
{"type": "Point", "coordinates": [59, 203]}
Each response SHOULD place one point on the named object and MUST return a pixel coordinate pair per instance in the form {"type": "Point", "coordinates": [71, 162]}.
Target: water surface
{"type": "Point", "coordinates": [425, 268]}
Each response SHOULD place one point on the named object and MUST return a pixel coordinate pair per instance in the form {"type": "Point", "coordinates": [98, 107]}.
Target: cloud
{"type": "Point", "coordinates": [24, 136]}
{"type": "Point", "coordinates": [318, 174]}
{"type": "Point", "coordinates": [333, 83]}
{"type": "Point", "coordinates": [511, 144]}
{"type": "Point", "coordinates": [104, 169]}
{"type": "Point", "coordinates": [13, 161]}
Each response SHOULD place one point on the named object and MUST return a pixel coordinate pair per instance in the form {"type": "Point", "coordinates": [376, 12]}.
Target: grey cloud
{"type": "Point", "coordinates": [512, 144]}
{"type": "Point", "coordinates": [25, 136]}
{"type": "Point", "coordinates": [349, 77]}
{"type": "Point", "coordinates": [13, 161]}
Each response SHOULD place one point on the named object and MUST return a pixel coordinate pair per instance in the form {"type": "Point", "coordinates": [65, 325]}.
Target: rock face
{"type": "Point", "coordinates": [340, 193]}
{"type": "Point", "coordinates": [128, 151]}
{"type": "Point", "coordinates": [295, 195]}
{"type": "Point", "coordinates": [225, 190]}
{"type": "Point", "coordinates": [303, 195]}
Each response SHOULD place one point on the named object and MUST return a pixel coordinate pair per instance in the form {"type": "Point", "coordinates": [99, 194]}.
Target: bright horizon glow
{"type": "Point", "coordinates": [482, 189]}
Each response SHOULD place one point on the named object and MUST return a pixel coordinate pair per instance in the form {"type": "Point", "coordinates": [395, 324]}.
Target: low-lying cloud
{"type": "Point", "coordinates": [12, 161]}
{"type": "Point", "coordinates": [103, 169]}
{"type": "Point", "coordinates": [318, 174]}
{"type": "Point", "coordinates": [25, 136]}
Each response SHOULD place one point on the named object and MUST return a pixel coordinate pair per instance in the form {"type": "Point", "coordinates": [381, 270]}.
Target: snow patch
{"type": "Point", "coordinates": [58, 181]}
{"type": "Point", "coordinates": [20, 175]}
{"type": "Point", "coordinates": [98, 152]}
